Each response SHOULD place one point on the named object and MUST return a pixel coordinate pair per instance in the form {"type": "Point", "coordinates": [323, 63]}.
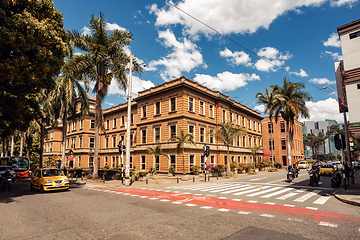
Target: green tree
{"type": "Point", "coordinates": [67, 95]}
{"type": "Point", "coordinates": [32, 51]}
{"type": "Point", "coordinates": [181, 140]}
{"type": "Point", "coordinates": [254, 151]}
{"type": "Point", "coordinates": [314, 142]}
{"type": "Point", "coordinates": [105, 59]}
{"type": "Point", "coordinates": [269, 99]}
{"type": "Point", "coordinates": [156, 152]}
{"type": "Point", "coordinates": [227, 132]}
{"type": "Point", "coordinates": [291, 105]}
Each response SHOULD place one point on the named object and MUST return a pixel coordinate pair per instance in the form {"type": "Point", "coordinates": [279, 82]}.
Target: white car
{"type": "Point", "coordinates": [303, 165]}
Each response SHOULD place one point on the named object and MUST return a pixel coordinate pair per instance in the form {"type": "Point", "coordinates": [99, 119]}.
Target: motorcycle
{"type": "Point", "coordinates": [314, 178]}
{"type": "Point", "coordinates": [296, 172]}
{"type": "Point", "coordinates": [290, 176]}
{"type": "Point", "coordinates": [5, 181]}
{"type": "Point", "coordinates": [336, 179]}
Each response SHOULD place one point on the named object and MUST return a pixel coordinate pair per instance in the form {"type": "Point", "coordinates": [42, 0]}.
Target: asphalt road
{"type": "Point", "coordinates": [98, 212]}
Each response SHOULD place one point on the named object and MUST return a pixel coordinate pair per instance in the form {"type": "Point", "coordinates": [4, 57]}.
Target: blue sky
{"type": "Point", "coordinates": [299, 36]}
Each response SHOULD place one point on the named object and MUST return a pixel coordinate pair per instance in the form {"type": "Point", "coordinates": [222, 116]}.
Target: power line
{"type": "Point", "coordinates": [240, 45]}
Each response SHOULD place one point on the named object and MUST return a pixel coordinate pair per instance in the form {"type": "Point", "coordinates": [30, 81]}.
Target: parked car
{"type": "Point", "coordinates": [303, 165]}
{"type": "Point", "coordinates": [327, 169]}
{"type": "Point", "coordinates": [49, 179]}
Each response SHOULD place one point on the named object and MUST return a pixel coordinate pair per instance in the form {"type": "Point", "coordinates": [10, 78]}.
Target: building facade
{"type": "Point", "coordinates": [350, 45]}
{"type": "Point", "coordinates": [316, 127]}
{"type": "Point", "coordinates": [157, 114]}
{"type": "Point", "coordinates": [278, 140]}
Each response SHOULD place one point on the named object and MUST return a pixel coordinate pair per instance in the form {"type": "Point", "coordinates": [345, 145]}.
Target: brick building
{"type": "Point", "coordinates": [279, 140]}
{"type": "Point", "coordinates": [156, 114]}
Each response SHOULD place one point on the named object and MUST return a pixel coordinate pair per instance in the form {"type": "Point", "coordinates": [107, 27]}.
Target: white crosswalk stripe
{"type": "Point", "coordinates": [252, 190]}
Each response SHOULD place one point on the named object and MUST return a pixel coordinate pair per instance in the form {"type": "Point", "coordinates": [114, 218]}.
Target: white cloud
{"type": "Point", "coordinates": [322, 81]}
{"type": "Point", "coordinates": [334, 56]}
{"type": "Point", "coordinates": [226, 81]}
{"type": "Point", "coordinates": [271, 58]}
{"type": "Point", "coordinates": [114, 26]}
{"type": "Point", "coordinates": [231, 17]}
{"type": "Point", "coordinates": [333, 41]}
{"type": "Point", "coordinates": [137, 86]}
{"type": "Point", "coordinates": [86, 31]}
{"type": "Point", "coordinates": [236, 58]}
{"type": "Point", "coordinates": [340, 3]}
{"type": "Point", "coordinates": [324, 109]}
{"type": "Point", "coordinates": [302, 73]}
{"type": "Point", "coordinates": [184, 57]}
{"type": "Point", "coordinates": [260, 108]}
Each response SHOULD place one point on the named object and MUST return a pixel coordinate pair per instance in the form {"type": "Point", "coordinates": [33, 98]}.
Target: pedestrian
{"type": "Point", "coordinates": [347, 173]}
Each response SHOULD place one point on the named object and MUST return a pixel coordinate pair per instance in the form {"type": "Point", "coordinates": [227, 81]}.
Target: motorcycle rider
{"type": "Point", "coordinates": [315, 170]}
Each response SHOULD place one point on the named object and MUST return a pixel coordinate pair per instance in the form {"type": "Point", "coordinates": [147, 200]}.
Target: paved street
{"type": "Point", "coordinates": [262, 206]}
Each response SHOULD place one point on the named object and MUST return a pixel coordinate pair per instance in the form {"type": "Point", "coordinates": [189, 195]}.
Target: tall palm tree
{"type": "Point", "coordinates": [269, 100]}
{"type": "Point", "coordinates": [291, 105]}
{"type": "Point", "coordinates": [67, 95]}
{"type": "Point", "coordinates": [181, 141]}
{"type": "Point", "coordinates": [254, 151]}
{"type": "Point", "coordinates": [227, 132]}
{"type": "Point", "coordinates": [156, 152]}
{"type": "Point", "coordinates": [105, 59]}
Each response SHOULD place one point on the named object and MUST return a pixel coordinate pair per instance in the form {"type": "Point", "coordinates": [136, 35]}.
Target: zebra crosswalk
{"type": "Point", "coordinates": [251, 191]}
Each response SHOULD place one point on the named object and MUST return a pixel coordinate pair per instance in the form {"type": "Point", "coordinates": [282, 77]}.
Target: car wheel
{"type": "Point", "coordinates": [67, 189]}
{"type": "Point", "coordinates": [42, 189]}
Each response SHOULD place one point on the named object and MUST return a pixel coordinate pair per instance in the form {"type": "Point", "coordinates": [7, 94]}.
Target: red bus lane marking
{"type": "Point", "coordinates": [291, 212]}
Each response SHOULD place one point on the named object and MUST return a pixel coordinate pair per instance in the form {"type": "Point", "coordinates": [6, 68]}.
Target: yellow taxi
{"type": "Point", "coordinates": [49, 179]}
{"type": "Point", "coordinates": [326, 169]}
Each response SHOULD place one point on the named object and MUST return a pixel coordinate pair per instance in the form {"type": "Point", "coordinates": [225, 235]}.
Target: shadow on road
{"type": "Point", "coordinates": [22, 188]}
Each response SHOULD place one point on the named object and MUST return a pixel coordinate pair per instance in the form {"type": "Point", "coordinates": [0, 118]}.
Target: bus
{"type": "Point", "coordinates": [20, 165]}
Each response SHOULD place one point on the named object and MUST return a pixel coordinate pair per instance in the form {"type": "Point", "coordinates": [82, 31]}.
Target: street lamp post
{"type": "Point", "coordinates": [346, 130]}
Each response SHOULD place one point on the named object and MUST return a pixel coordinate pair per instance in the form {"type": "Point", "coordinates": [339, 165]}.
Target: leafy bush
{"type": "Point", "coordinates": [172, 170]}
{"type": "Point", "coordinates": [152, 170]}
{"type": "Point", "coordinates": [195, 168]}
{"type": "Point", "coordinates": [218, 168]}
{"type": "Point", "coordinates": [248, 166]}
{"type": "Point", "coordinates": [273, 169]}
{"type": "Point", "coordinates": [139, 174]}
{"type": "Point", "coordinates": [233, 166]}
{"type": "Point", "coordinates": [278, 165]}
{"type": "Point", "coordinates": [241, 167]}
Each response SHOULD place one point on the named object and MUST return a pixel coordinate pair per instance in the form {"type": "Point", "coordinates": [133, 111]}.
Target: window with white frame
{"type": "Point", "coordinates": [79, 162]}
{"type": "Point", "coordinates": [81, 124]}
{"type": "Point", "coordinates": [249, 123]}
{"type": "Point", "coordinates": [244, 159]}
{"type": "Point", "coordinates": [237, 119]}
{"type": "Point", "coordinates": [173, 160]}
{"type": "Point", "coordinates": [157, 163]}
{"type": "Point", "coordinates": [191, 160]}
{"type": "Point", "coordinates": [157, 134]}
{"type": "Point", "coordinates": [107, 124]}
{"type": "Point", "coordinates": [143, 111]}
{"type": "Point", "coordinates": [172, 130]}
{"type": "Point", "coordinates": [92, 124]}
{"type": "Point", "coordinates": [106, 161]}
{"type": "Point", "coordinates": [250, 141]}
{"type": "Point", "coordinates": [231, 117]}
{"type": "Point", "coordinates": [106, 142]}
{"type": "Point", "coordinates": [122, 121]}
{"type": "Point", "coordinates": [202, 107]}
{"type": "Point", "coordinates": [113, 161]}
{"type": "Point", "coordinates": [91, 142]}
{"type": "Point", "coordinates": [157, 108]}
{"type": "Point", "coordinates": [224, 115]}
{"type": "Point", "coordinates": [212, 159]}
{"type": "Point", "coordinates": [211, 136]}
{"type": "Point", "coordinates": [211, 111]}
{"type": "Point", "coordinates": [243, 121]}
{"type": "Point", "coordinates": [143, 162]}
{"type": "Point", "coordinates": [192, 130]}
{"type": "Point", "coordinates": [143, 135]}
{"type": "Point", "coordinates": [202, 134]}
{"type": "Point", "coordinates": [114, 141]}
{"type": "Point", "coordinates": [114, 123]}
{"type": "Point", "coordinates": [244, 141]}
{"type": "Point", "coordinates": [74, 125]}
{"type": "Point", "coordinates": [254, 123]}
{"type": "Point", "coordinates": [173, 104]}
{"type": "Point", "coordinates": [259, 127]}
{"type": "Point", "coordinates": [131, 139]}
{"type": "Point", "coordinates": [239, 159]}
{"type": "Point", "coordinates": [73, 142]}
{"type": "Point", "coordinates": [191, 104]}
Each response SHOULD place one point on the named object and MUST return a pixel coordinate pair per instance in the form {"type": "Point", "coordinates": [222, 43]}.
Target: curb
{"type": "Point", "coordinates": [346, 201]}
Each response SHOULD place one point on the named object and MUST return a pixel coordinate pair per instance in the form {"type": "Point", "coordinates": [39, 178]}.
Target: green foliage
{"type": "Point", "coordinates": [218, 168]}
{"type": "Point", "coordinates": [273, 169]}
{"type": "Point", "coordinates": [234, 166]}
{"type": "Point", "coordinates": [172, 169]}
{"type": "Point", "coordinates": [152, 170]}
{"type": "Point", "coordinates": [195, 168]}
{"type": "Point", "coordinates": [139, 174]}
{"type": "Point", "coordinates": [278, 165]}
{"type": "Point", "coordinates": [248, 166]}
{"type": "Point", "coordinates": [32, 51]}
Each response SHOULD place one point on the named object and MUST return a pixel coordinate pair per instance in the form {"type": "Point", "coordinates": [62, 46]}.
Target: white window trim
{"type": "Point", "coordinates": [203, 108]}
{"type": "Point", "coordinates": [204, 137]}
{"type": "Point", "coordinates": [193, 104]}
{"type": "Point", "coordinates": [211, 113]}
{"type": "Point", "coordinates": [170, 110]}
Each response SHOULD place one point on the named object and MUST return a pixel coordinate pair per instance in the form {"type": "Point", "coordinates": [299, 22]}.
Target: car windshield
{"type": "Point", "coordinates": [327, 166]}
{"type": "Point", "coordinates": [51, 172]}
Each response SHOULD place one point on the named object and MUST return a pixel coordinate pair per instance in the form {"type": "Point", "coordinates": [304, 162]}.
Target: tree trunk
{"type": "Point", "coordinates": [21, 144]}
{"type": "Point", "coordinates": [96, 155]}
{"type": "Point", "coordinates": [288, 144]}
{"type": "Point", "coordinates": [63, 146]}
{"type": "Point", "coordinates": [228, 162]}
{"type": "Point", "coordinates": [183, 162]}
{"type": "Point", "coordinates": [12, 145]}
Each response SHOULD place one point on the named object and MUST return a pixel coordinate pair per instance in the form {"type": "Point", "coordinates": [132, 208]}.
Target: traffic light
{"type": "Point", "coordinates": [339, 140]}
{"type": "Point", "coordinates": [206, 151]}
{"type": "Point", "coordinates": [121, 146]}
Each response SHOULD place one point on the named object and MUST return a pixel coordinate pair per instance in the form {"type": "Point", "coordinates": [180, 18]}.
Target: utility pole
{"type": "Point", "coordinates": [127, 161]}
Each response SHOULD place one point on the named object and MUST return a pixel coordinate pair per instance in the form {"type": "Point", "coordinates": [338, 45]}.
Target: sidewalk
{"type": "Point", "coordinates": [352, 194]}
